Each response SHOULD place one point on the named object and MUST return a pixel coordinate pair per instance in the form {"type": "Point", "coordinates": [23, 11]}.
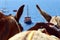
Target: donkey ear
{"type": "Point", "coordinates": [19, 13]}
{"type": "Point", "coordinates": [44, 14]}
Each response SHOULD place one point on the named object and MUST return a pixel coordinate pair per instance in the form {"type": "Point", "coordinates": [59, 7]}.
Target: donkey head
{"type": "Point", "coordinates": [55, 19]}
{"type": "Point", "coordinates": [51, 29]}
{"type": "Point", "coordinates": [9, 25]}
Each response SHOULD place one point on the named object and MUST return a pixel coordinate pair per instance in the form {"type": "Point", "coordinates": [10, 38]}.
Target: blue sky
{"type": "Point", "coordinates": [52, 7]}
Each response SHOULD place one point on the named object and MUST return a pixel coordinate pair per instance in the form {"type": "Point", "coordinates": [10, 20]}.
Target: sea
{"type": "Point", "coordinates": [51, 7]}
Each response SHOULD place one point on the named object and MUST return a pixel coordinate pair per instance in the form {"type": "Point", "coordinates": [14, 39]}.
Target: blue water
{"type": "Point", "coordinates": [52, 7]}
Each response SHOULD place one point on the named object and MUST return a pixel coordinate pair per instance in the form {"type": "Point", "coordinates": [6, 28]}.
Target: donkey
{"type": "Point", "coordinates": [51, 29]}
{"type": "Point", "coordinates": [52, 19]}
{"type": "Point", "coordinates": [9, 25]}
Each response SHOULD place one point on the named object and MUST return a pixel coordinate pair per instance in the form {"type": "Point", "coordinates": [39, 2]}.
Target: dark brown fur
{"type": "Point", "coordinates": [9, 24]}
{"type": "Point", "coordinates": [50, 30]}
